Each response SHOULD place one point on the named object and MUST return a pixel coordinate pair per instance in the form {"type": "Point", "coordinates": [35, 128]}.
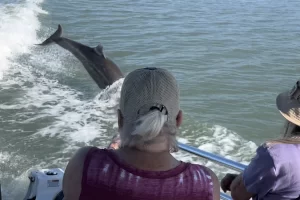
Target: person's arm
{"type": "Point", "coordinates": [73, 175]}
{"type": "Point", "coordinates": [216, 184]}
{"type": "Point", "coordinates": [257, 179]}
{"type": "Point", "coordinates": [238, 189]}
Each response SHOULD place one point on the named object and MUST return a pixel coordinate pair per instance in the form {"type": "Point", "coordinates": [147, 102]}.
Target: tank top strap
{"type": "Point", "coordinates": [200, 172]}
{"type": "Point", "coordinates": [86, 165]}
{"type": "Point", "coordinates": [209, 183]}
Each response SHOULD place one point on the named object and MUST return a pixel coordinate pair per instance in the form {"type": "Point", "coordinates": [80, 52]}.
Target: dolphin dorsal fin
{"type": "Point", "coordinates": [99, 50]}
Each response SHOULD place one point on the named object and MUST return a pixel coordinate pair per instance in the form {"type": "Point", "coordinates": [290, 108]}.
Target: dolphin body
{"type": "Point", "coordinates": [103, 70]}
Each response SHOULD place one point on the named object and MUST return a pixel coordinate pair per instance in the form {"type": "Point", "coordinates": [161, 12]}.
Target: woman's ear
{"type": "Point", "coordinates": [179, 119]}
{"type": "Point", "coordinates": [120, 119]}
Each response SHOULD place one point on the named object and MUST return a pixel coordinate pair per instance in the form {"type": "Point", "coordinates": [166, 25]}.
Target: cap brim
{"type": "Point", "coordinates": [289, 108]}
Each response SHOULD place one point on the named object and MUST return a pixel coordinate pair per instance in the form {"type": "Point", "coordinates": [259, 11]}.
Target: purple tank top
{"type": "Point", "coordinates": [106, 177]}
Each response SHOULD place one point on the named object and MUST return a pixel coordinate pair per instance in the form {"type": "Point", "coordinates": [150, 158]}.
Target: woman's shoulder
{"type": "Point", "coordinates": [83, 151]}
{"type": "Point", "coordinates": [280, 148]}
{"type": "Point", "coordinates": [280, 153]}
{"type": "Point", "coordinates": [209, 173]}
{"type": "Point", "coordinates": [73, 173]}
{"type": "Point", "coordinates": [83, 154]}
{"type": "Point", "coordinates": [210, 176]}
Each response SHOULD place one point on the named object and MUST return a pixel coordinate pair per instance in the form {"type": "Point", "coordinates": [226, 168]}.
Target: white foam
{"type": "Point", "coordinates": [221, 141]}
{"type": "Point", "coordinates": [18, 26]}
{"type": "Point", "coordinates": [4, 157]}
{"type": "Point", "coordinates": [75, 120]}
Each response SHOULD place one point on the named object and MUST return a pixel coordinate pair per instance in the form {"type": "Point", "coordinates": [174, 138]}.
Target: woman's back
{"type": "Point", "coordinates": [274, 172]}
{"type": "Point", "coordinates": [286, 159]}
{"type": "Point", "coordinates": [105, 176]}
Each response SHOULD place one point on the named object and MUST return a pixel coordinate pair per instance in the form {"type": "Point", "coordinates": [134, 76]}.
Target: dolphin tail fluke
{"type": "Point", "coordinates": [53, 37]}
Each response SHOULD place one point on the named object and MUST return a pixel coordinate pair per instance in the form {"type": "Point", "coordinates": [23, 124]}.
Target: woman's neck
{"type": "Point", "coordinates": [145, 160]}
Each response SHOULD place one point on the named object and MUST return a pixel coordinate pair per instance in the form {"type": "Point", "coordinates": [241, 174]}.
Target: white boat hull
{"type": "Point", "coordinates": [45, 184]}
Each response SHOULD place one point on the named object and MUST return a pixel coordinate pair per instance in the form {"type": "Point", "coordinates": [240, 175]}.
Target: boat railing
{"type": "Point", "coordinates": [214, 158]}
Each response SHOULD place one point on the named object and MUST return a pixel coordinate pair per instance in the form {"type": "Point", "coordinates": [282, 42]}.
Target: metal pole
{"type": "Point", "coordinates": [212, 157]}
{"type": "Point", "coordinates": [225, 196]}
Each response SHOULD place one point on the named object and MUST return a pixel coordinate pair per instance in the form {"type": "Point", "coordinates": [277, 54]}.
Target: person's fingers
{"type": "Point", "coordinates": [114, 146]}
{"type": "Point", "coordinates": [225, 184]}
{"type": "Point", "coordinates": [115, 143]}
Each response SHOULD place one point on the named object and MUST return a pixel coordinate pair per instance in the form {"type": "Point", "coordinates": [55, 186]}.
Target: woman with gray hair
{"type": "Point", "coordinates": [273, 174]}
{"type": "Point", "coordinates": [142, 168]}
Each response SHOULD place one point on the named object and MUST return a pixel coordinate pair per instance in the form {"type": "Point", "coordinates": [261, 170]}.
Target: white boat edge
{"type": "Point", "coordinates": [45, 184]}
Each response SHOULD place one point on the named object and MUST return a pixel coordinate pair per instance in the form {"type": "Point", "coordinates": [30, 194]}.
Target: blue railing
{"type": "Point", "coordinates": [214, 158]}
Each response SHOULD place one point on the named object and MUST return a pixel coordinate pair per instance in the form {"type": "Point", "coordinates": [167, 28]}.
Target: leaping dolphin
{"type": "Point", "coordinates": [103, 70]}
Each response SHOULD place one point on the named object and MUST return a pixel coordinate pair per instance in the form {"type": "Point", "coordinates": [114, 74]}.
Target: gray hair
{"type": "Point", "coordinates": [151, 128]}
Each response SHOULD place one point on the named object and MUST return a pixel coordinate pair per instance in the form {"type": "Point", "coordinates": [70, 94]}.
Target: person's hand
{"type": "Point", "coordinates": [115, 143]}
{"type": "Point", "coordinates": [227, 180]}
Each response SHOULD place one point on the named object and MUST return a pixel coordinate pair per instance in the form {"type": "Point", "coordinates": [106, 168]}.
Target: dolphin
{"type": "Point", "coordinates": [103, 70]}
